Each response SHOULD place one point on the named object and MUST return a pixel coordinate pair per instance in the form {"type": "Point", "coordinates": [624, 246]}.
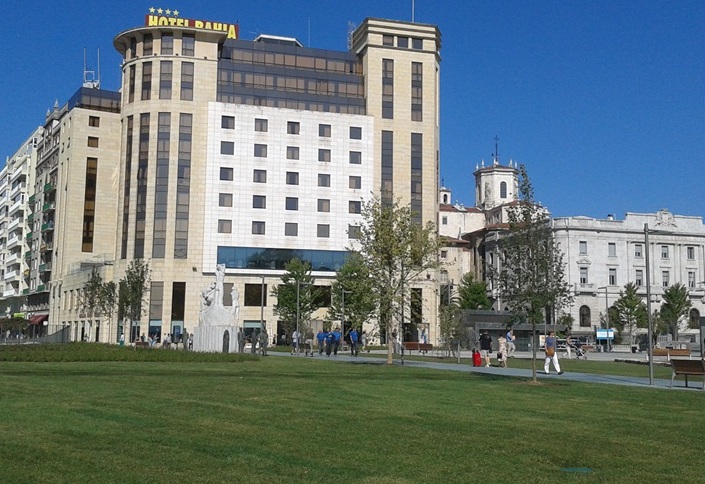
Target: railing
{"type": "Point", "coordinates": [48, 187]}
{"type": "Point", "coordinates": [47, 226]}
{"type": "Point", "coordinates": [48, 207]}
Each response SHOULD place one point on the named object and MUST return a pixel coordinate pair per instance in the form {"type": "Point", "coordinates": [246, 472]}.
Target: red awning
{"type": "Point", "coordinates": [38, 318]}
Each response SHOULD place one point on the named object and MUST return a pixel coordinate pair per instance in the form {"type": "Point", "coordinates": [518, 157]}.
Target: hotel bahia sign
{"type": "Point", "coordinates": [158, 17]}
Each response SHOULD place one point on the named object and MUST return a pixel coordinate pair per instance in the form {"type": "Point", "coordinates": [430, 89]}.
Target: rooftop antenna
{"type": "Point", "coordinates": [495, 156]}
{"type": "Point", "coordinates": [89, 75]}
{"type": "Point", "coordinates": [412, 11]}
{"type": "Point", "coordinates": [309, 31]}
{"type": "Point", "coordinates": [351, 29]}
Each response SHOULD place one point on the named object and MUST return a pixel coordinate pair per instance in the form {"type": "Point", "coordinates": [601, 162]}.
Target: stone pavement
{"type": "Point", "coordinates": [694, 383]}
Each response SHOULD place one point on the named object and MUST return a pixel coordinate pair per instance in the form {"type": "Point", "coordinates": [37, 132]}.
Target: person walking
{"type": "Point", "coordinates": [551, 353]}
{"type": "Point", "coordinates": [353, 342]}
{"type": "Point", "coordinates": [330, 342]}
{"type": "Point", "coordinates": [295, 336]}
{"type": "Point", "coordinates": [321, 338]}
{"type": "Point", "coordinates": [485, 346]}
{"type": "Point", "coordinates": [502, 352]}
{"type": "Point", "coordinates": [240, 341]}
{"type": "Point", "coordinates": [568, 344]}
{"type": "Point", "coordinates": [337, 336]}
{"type": "Point", "coordinates": [263, 341]}
{"type": "Point", "coordinates": [511, 346]}
{"type": "Point", "coordinates": [363, 341]}
{"type": "Point", "coordinates": [308, 342]}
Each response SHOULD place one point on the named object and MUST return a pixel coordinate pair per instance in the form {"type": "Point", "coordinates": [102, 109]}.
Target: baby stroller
{"type": "Point", "coordinates": [580, 352]}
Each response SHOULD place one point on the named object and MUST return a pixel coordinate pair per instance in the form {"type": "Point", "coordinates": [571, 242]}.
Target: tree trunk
{"type": "Point", "coordinates": [533, 350]}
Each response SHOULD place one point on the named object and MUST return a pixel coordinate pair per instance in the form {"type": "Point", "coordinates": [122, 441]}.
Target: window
{"type": "Point", "coordinates": [92, 142]}
{"type": "Point", "coordinates": [148, 45]}
{"type": "Point", "coordinates": [292, 152]}
{"type": "Point", "coordinates": [354, 207]}
{"type": "Point", "coordinates": [258, 228]}
{"type": "Point", "coordinates": [324, 155]}
{"type": "Point", "coordinates": [690, 253]}
{"type": "Point", "coordinates": [353, 232]}
{"type": "Point", "coordinates": [324, 130]}
{"type": "Point", "coordinates": [187, 81]}
{"type": "Point", "coordinates": [293, 127]}
{"type": "Point", "coordinates": [403, 42]}
{"type": "Point", "coordinates": [167, 44]}
{"type": "Point", "coordinates": [355, 182]}
{"type": "Point", "coordinates": [388, 40]}
{"type": "Point", "coordinates": [639, 278]}
{"type": "Point", "coordinates": [260, 151]}
{"type": "Point", "coordinates": [638, 250]}
{"type": "Point", "coordinates": [416, 91]}
{"type": "Point", "coordinates": [226, 174]}
{"type": "Point", "coordinates": [261, 125]}
{"type": "Point", "coordinates": [323, 180]}
{"type": "Point", "coordinates": [166, 70]}
{"type": "Point", "coordinates": [691, 279]}
{"type": "Point", "coordinates": [583, 275]}
{"type": "Point", "coordinates": [582, 247]}
{"type": "Point", "coordinates": [416, 43]}
{"type": "Point", "coordinates": [355, 132]}
{"type": "Point", "coordinates": [255, 295]}
{"type": "Point", "coordinates": [323, 205]}
{"type": "Point", "coordinates": [259, 176]}
{"type": "Point", "coordinates": [665, 278]}
{"type": "Point", "coordinates": [323, 230]}
{"type": "Point", "coordinates": [146, 81]}
{"type": "Point", "coordinates": [292, 203]}
{"type": "Point", "coordinates": [664, 252]}
{"type": "Point", "coordinates": [225, 226]}
{"type": "Point", "coordinates": [292, 178]}
{"type": "Point", "coordinates": [503, 190]}
{"type": "Point", "coordinates": [611, 249]}
{"type": "Point", "coordinates": [612, 277]}
{"type": "Point", "coordinates": [94, 121]}
{"type": "Point", "coordinates": [291, 229]}
{"type": "Point", "coordinates": [188, 45]}
{"type": "Point", "coordinates": [387, 89]}
{"type": "Point", "coordinates": [355, 157]}
{"type": "Point", "coordinates": [227, 148]}
{"type": "Point", "coordinates": [227, 122]}
{"type": "Point", "coordinates": [225, 200]}
{"type": "Point", "coordinates": [584, 317]}
{"type": "Point", "coordinates": [259, 201]}
{"type": "Point", "coordinates": [444, 220]}
{"type": "Point", "coordinates": [444, 254]}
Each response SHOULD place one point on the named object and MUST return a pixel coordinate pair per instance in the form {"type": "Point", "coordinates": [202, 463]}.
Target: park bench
{"type": "Point", "coordinates": [142, 344]}
{"type": "Point", "coordinates": [416, 346]}
{"type": "Point", "coordinates": [688, 367]}
{"type": "Point", "coordinates": [669, 352]}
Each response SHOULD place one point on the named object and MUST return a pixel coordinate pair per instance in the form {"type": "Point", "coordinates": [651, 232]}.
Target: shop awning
{"type": "Point", "coordinates": [38, 318]}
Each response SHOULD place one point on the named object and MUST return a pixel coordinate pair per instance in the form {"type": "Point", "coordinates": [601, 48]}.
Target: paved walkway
{"type": "Point", "coordinates": [694, 384]}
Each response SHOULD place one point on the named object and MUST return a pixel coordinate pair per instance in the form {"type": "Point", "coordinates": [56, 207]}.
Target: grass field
{"type": "Point", "coordinates": [280, 419]}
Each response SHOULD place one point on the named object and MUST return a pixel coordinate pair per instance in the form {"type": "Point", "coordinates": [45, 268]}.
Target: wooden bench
{"type": "Point", "coordinates": [668, 352]}
{"type": "Point", "coordinates": [416, 346]}
{"type": "Point", "coordinates": [142, 344]}
{"type": "Point", "coordinates": [688, 367]}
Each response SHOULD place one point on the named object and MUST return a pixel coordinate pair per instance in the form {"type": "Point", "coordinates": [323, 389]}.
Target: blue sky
{"type": "Point", "coordinates": [603, 101]}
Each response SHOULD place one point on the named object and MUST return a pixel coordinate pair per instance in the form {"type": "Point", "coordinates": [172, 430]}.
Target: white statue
{"type": "Point", "coordinates": [212, 310]}
{"type": "Point", "coordinates": [235, 295]}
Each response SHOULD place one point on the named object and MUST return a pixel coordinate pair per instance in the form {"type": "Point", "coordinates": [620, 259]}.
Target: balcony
{"type": "Point", "coordinates": [30, 218]}
{"type": "Point", "coordinates": [13, 241]}
{"type": "Point", "coordinates": [15, 222]}
{"type": "Point", "coordinates": [11, 276]}
{"type": "Point", "coordinates": [47, 246]}
{"type": "Point", "coordinates": [25, 292]}
{"type": "Point", "coordinates": [41, 288]}
{"type": "Point", "coordinates": [583, 288]}
{"type": "Point", "coordinates": [10, 293]}
{"type": "Point", "coordinates": [48, 207]}
{"type": "Point", "coordinates": [16, 207]}
{"type": "Point", "coordinates": [17, 189]}
{"type": "Point", "coordinates": [49, 187]}
{"type": "Point", "coordinates": [45, 267]}
{"type": "Point", "coordinates": [12, 258]}
{"type": "Point", "coordinates": [29, 236]}
{"type": "Point", "coordinates": [47, 226]}
{"type": "Point", "coordinates": [31, 199]}
{"type": "Point", "coordinates": [28, 254]}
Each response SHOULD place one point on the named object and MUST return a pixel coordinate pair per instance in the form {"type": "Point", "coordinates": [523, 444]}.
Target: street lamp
{"type": "Point", "coordinates": [343, 292]}
{"type": "Point", "coordinates": [607, 317]}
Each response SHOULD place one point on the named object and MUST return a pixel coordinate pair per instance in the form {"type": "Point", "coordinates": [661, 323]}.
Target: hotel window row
{"type": "Point", "coordinates": [166, 76]}
{"type": "Point", "coordinates": [402, 42]}
{"type": "Point", "coordinates": [188, 45]}
{"type": "Point", "coordinates": [290, 203]}
{"type": "Point", "coordinates": [291, 229]}
{"type": "Point", "coordinates": [291, 177]}
{"type": "Point", "coordinates": [292, 127]}
{"type": "Point", "coordinates": [292, 152]}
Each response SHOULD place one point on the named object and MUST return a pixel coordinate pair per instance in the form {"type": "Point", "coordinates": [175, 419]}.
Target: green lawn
{"type": "Point", "coordinates": [280, 419]}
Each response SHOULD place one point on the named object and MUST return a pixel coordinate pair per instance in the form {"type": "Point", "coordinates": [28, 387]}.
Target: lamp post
{"type": "Point", "coordinates": [649, 330]}
{"type": "Point", "coordinates": [298, 290]}
{"type": "Point", "coordinates": [343, 292]}
{"type": "Point", "coordinates": [607, 317]}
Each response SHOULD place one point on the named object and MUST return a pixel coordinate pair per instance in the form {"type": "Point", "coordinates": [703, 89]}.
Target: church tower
{"type": "Point", "coordinates": [496, 184]}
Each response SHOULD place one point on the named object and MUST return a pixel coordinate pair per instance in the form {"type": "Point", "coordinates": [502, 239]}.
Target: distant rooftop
{"type": "Point", "coordinates": [274, 39]}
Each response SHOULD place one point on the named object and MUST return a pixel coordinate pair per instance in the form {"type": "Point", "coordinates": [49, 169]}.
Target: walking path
{"type": "Point", "coordinates": [696, 384]}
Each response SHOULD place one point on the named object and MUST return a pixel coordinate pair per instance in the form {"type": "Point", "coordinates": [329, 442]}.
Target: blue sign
{"type": "Point", "coordinates": [602, 334]}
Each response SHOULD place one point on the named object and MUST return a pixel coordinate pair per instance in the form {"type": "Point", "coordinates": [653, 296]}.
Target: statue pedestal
{"type": "Point", "coordinates": [215, 339]}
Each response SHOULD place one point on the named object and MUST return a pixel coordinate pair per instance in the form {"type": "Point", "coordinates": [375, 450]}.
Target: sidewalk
{"type": "Point", "coordinates": [696, 384]}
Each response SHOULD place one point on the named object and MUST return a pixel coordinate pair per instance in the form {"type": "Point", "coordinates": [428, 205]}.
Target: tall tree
{"type": "Point", "coordinates": [472, 294]}
{"type": "Point", "coordinates": [108, 300]}
{"type": "Point", "coordinates": [675, 308]}
{"type": "Point", "coordinates": [352, 293]}
{"type": "Point", "coordinates": [631, 310]}
{"type": "Point", "coordinates": [91, 293]}
{"type": "Point", "coordinates": [133, 289]}
{"type": "Point", "coordinates": [397, 251]}
{"type": "Point", "coordinates": [531, 275]}
{"type": "Point", "coordinates": [297, 278]}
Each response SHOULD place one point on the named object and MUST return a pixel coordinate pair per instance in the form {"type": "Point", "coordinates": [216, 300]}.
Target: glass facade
{"type": "Point", "coordinates": [276, 259]}
{"type": "Point", "coordinates": [285, 76]}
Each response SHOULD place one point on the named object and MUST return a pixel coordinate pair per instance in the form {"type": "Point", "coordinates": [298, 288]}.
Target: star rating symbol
{"type": "Point", "coordinates": [176, 13]}
{"type": "Point", "coordinates": [168, 12]}
{"type": "Point", "coordinates": [160, 11]}
{"type": "Point", "coordinates": [151, 9]}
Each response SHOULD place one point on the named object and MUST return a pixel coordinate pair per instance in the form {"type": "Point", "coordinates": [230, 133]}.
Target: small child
{"type": "Point", "coordinates": [476, 358]}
